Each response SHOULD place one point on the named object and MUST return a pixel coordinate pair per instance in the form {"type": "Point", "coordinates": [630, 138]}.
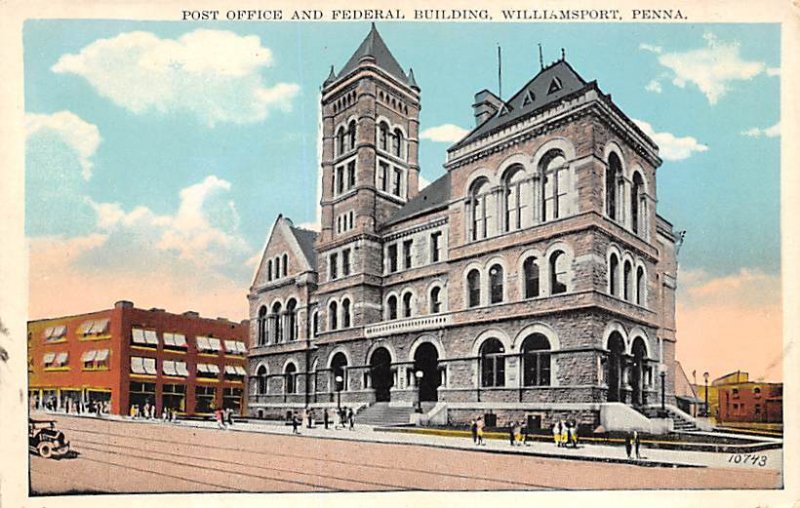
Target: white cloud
{"type": "Point", "coordinates": [774, 71]}
{"type": "Point", "coordinates": [712, 69]}
{"type": "Point", "coordinates": [654, 86]}
{"type": "Point", "coordinates": [769, 132]}
{"type": "Point", "coordinates": [446, 133]}
{"type": "Point", "coordinates": [80, 135]}
{"type": "Point", "coordinates": [215, 75]}
{"type": "Point", "coordinates": [651, 48]}
{"type": "Point", "coordinates": [671, 147]}
{"type": "Point", "coordinates": [423, 182]}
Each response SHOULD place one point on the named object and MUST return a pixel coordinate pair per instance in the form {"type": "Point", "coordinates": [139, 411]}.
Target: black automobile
{"type": "Point", "coordinates": [45, 439]}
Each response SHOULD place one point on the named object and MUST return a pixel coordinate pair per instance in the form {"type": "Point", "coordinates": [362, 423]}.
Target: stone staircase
{"type": "Point", "coordinates": [680, 422]}
{"type": "Point", "coordinates": [381, 414]}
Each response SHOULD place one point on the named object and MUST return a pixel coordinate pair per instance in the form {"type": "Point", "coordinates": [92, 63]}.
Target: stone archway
{"type": "Point", "coordinates": [616, 364]}
{"type": "Point", "coordinates": [380, 371]}
{"type": "Point", "coordinates": [637, 372]}
{"type": "Point", "coordinates": [426, 361]}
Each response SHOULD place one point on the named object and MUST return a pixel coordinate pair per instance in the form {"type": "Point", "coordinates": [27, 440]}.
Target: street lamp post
{"type": "Point", "coordinates": [339, 380]}
{"type": "Point", "coordinates": [418, 375]}
{"type": "Point", "coordinates": [662, 371]}
{"type": "Point", "coordinates": [705, 377]}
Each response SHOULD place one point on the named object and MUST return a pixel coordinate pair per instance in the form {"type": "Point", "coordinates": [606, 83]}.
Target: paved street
{"type": "Point", "coordinates": [125, 456]}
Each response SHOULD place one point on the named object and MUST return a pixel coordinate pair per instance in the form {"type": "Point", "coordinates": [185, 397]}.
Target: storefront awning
{"type": "Point", "coordinates": [137, 334]}
{"type": "Point", "coordinates": [214, 344]}
{"type": "Point", "coordinates": [62, 358]}
{"type": "Point", "coordinates": [102, 355]}
{"type": "Point", "coordinates": [151, 337]}
{"type": "Point", "coordinates": [240, 370]}
{"type": "Point", "coordinates": [213, 369]}
{"type": "Point", "coordinates": [230, 369]}
{"type": "Point", "coordinates": [202, 343]}
{"type": "Point", "coordinates": [48, 358]}
{"type": "Point", "coordinates": [180, 340]}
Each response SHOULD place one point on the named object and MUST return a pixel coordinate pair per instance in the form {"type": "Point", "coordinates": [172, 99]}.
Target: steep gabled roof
{"type": "Point", "coordinates": [374, 48]}
{"type": "Point", "coordinates": [306, 239]}
{"type": "Point", "coordinates": [548, 87]}
{"type": "Point", "coordinates": [432, 197]}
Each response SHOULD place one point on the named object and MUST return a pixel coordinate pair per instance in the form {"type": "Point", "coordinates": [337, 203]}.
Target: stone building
{"type": "Point", "coordinates": [534, 279]}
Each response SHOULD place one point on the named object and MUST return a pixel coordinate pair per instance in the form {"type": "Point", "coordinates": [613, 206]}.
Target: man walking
{"type": "Point", "coordinates": [473, 427]}
{"type": "Point", "coordinates": [636, 443]}
{"type": "Point", "coordinates": [628, 444]}
{"type": "Point", "coordinates": [326, 418]}
{"type": "Point", "coordinates": [295, 424]}
{"type": "Point", "coordinates": [351, 418]}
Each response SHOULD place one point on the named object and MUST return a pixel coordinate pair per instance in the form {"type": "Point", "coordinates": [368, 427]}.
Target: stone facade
{"type": "Point", "coordinates": [533, 279]}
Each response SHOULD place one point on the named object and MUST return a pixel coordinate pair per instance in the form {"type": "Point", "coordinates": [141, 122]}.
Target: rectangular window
{"type": "Point", "coordinates": [392, 258]}
{"type": "Point", "coordinates": [205, 398]}
{"type": "Point", "coordinates": [55, 334]}
{"type": "Point", "coordinates": [398, 178]}
{"type": "Point", "coordinates": [332, 266]}
{"type": "Point", "coordinates": [383, 176]}
{"type": "Point", "coordinates": [407, 254]}
{"type": "Point", "coordinates": [351, 174]}
{"type": "Point", "coordinates": [340, 180]}
{"type": "Point", "coordinates": [346, 262]}
{"type": "Point", "coordinates": [436, 247]}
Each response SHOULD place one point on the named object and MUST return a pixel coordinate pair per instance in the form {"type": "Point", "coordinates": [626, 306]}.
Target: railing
{"type": "Point", "coordinates": [408, 325]}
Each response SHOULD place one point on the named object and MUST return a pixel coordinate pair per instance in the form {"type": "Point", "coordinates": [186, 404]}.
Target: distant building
{"type": "Point", "coordinates": [127, 356]}
{"type": "Point", "coordinates": [734, 398]}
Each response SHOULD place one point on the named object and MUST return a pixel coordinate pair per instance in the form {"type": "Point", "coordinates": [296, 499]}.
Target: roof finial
{"type": "Point", "coordinates": [499, 72]}
{"type": "Point", "coordinates": [541, 58]}
{"type": "Point", "coordinates": [563, 54]}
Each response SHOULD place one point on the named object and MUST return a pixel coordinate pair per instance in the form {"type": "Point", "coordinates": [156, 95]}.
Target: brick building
{"type": "Point", "coordinates": [534, 278]}
{"type": "Point", "coordinates": [127, 356]}
{"type": "Point", "coordinates": [734, 398]}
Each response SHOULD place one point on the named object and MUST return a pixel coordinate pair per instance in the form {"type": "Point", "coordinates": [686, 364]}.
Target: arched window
{"type": "Point", "coordinates": [474, 288]}
{"type": "Point", "coordinates": [269, 270]}
{"type": "Point", "coordinates": [291, 378]}
{"type": "Point", "coordinates": [613, 268]}
{"type": "Point", "coordinates": [553, 170]}
{"type": "Point", "coordinates": [351, 135]}
{"type": "Point", "coordinates": [613, 172]}
{"type": "Point", "coordinates": [383, 137]}
{"type": "Point", "coordinates": [277, 324]}
{"type": "Point", "coordinates": [516, 195]}
{"type": "Point", "coordinates": [285, 265]}
{"type": "Point", "coordinates": [558, 273]}
{"type": "Point", "coordinates": [493, 363]}
{"type": "Point", "coordinates": [397, 143]}
{"type": "Point", "coordinates": [496, 284]}
{"type": "Point", "coordinates": [277, 267]}
{"type": "Point", "coordinates": [436, 302]}
{"type": "Point", "coordinates": [340, 135]}
{"type": "Point", "coordinates": [640, 291]}
{"type": "Point", "coordinates": [626, 281]}
{"type": "Point", "coordinates": [291, 319]}
{"type": "Point", "coordinates": [536, 361]}
{"type": "Point", "coordinates": [346, 313]}
{"type": "Point", "coordinates": [315, 324]}
{"type": "Point", "coordinates": [391, 307]}
{"type": "Point", "coordinates": [339, 369]}
{"type": "Point", "coordinates": [407, 305]}
{"type": "Point", "coordinates": [531, 270]}
{"type": "Point", "coordinates": [480, 211]}
{"type": "Point", "coordinates": [262, 325]}
{"type": "Point", "coordinates": [333, 311]}
{"type": "Point", "coordinates": [636, 198]}
{"type": "Point", "coordinates": [263, 380]}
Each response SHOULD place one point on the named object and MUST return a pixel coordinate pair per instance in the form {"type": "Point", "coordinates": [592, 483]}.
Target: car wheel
{"type": "Point", "coordinates": [45, 449]}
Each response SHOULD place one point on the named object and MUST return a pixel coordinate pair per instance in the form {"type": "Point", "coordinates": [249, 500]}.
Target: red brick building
{"type": "Point", "coordinates": [751, 402]}
{"type": "Point", "coordinates": [127, 356]}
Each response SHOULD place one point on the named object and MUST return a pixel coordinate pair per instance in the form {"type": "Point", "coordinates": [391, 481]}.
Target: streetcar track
{"type": "Point", "coordinates": [216, 470]}
{"type": "Point", "coordinates": [256, 466]}
{"type": "Point", "coordinates": [517, 483]}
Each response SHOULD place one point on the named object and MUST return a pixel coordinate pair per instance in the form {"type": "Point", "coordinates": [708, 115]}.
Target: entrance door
{"type": "Point", "coordinates": [637, 372]}
{"type": "Point", "coordinates": [616, 347]}
{"type": "Point", "coordinates": [426, 361]}
{"type": "Point", "coordinates": [381, 374]}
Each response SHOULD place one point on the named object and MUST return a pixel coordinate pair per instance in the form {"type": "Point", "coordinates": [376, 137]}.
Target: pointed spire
{"type": "Point", "coordinates": [331, 77]}
{"type": "Point", "coordinates": [411, 81]}
{"type": "Point", "coordinates": [373, 49]}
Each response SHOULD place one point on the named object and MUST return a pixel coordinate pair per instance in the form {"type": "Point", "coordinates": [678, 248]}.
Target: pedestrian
{"type": "Point", "coordinates": [636, 443]}
{"type": "Point", "coordinates": [473, 428]}
{"type": "Point", "coordinates": [230, 416]}
{"type": "Point", "coordinates": [628, 444]}
{"type": "Point", "coordinates": [564, 435]}
{"type": "Point", "coordinates": [557, 433]}
{"type": "Point", "coordinates": [573, 434]}
{"type": "Point", "coordinates": [295, 423]}
{"type": "Point", "coordinates": [518, 433]}
{"type": "Point", "coordinates": [511, 426]}
{"type": "Point", "coordinates": [480, 425]}
{"type": "Point", "coordinates": [326, 416]}
{"type": "Point", "coordinates": [310, 416]}
{"type": "Point", "coordinates": [351, 418]}
{"type": "Point", "coordinates": [218, 415]}
{"type": "Point", "coordinates": [526, 435]}
{"type": "Point", "coordinates": [342, 417]}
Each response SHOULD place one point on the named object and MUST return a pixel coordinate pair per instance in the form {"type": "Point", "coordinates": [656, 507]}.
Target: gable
{"type": "Point", "coordinates": [283, 255]}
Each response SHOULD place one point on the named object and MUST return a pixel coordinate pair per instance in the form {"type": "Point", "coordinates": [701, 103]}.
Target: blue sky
{"type": "Point", "coordinates": [131, 169]}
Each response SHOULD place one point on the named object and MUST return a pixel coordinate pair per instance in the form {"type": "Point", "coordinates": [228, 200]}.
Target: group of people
{"type": "Point", "coordinates": [632, 444]}
{"type": "Point", "coordinates": [70, 405]}
{"type": "Point", "coordinates": [565, 434]}
{"type": "Point", "coordinates": [346, 418]}
{"type": "Point", "coordinates": [517, 433]}
{"type": "Point", "coordinates": [223, 417]}
{"type": "Point", "coordinates": [477, 426]}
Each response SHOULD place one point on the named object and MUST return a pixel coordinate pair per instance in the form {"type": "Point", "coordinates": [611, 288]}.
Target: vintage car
{"type": "Point", "coordinates": [45, 439]}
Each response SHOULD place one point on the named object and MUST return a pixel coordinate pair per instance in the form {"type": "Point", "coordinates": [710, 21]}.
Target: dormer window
{"type": "Point", "coordinates": [555, 86]}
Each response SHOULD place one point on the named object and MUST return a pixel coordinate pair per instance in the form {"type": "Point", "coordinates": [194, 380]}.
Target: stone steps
{"type": "Point", "coordinates": [381, 414]}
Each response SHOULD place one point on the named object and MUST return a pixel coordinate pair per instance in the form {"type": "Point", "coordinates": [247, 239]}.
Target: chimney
{"type": "Point", "coordinates": [191, 314]}
{"type": "Point", "coordinates": [123, 304]}
{"type": "Point", "coordinates": [486, 105]}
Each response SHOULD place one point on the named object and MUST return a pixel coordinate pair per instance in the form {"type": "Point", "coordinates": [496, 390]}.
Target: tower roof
{"type": "Point", "coordinates": [373, 48]}
{"type": "Point", "coordinates": [549, 86]}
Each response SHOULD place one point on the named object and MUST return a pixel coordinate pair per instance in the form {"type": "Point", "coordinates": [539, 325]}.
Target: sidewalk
{"type": "Point", "coordinates": [595, 452]}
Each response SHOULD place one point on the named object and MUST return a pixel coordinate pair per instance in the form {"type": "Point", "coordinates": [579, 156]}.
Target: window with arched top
{"type": "Point", "coordinates": [333, 316]}
{"type": "Point", "coordinates": [285, 265]}
{"type": "Point", "coordinates": [278, 267]}
{"type": "Point", "coordinates": [291, 378]}
{"type": "Point", "coordinates": [473, 288]}
{"type": "Point", "coordinates": [291, 319]}
{"type": "Point", "coordinates": [263, 380]}
{"type": "Point", "coordinates": [536, 360]}
{"type": "Point", "coordinates": [391, 310]}
{"type": "Point", "coordinates": [383, 136]}
{"type": "Point", "coordinates": [436, 300]}
{"type": "Point", "coordinates": [480, 210]}
{"type": "Point", "coordinates": [626, 280]}
{"type": "Point", "coordinates": [315, 324]}
{"type": "Point", "coordinates": [613, 268]}
{"type": "Point", "coordinates": [346, 313]}
{"type": "Point", "coordinates": [262, 325]}
{"type": "Point", "coordinates": [496, 284]}
{"type": "Point", "coordinates": [340, 140]}
{"type": "Point", "coordinates": [640, 289]}
{"type": "Point", "coordinates": [637, 204]}
{"type": "Point", "coordinates": [269, 269]}
{"type": "Point", "coordinates": [558, 272]}
{"type": "Point", "coordinates": [277, 323]}
{"type": "Point", "coordinates": [553, 171]}
{"type": "Point", "coordinates": [407, 305]}
{"type": "Point", "coordinates": [530, 269]}
{"type": "Point", "coordinates": [351, 135]}
{"type": "Point", "coordinates": [492, 363]}
{"type": "Point", "coordinates": [613, 173]}
{"type": "Point", "coordinates": [339, 370]}
{"type": "Point", "coordinates": [516, 194]}
{"type": "Point", "coordinates": [397, 143]}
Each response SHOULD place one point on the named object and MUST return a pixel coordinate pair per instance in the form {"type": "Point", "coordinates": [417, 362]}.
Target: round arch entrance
{"type": "Point", "coordinates": [616, 346]}
{"type": "Point", "coordinates": [380, 370]}
{"type": "Point", "coordinates": [426, 361]}
{"type": "Point", "coordinates": [637, 372]}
